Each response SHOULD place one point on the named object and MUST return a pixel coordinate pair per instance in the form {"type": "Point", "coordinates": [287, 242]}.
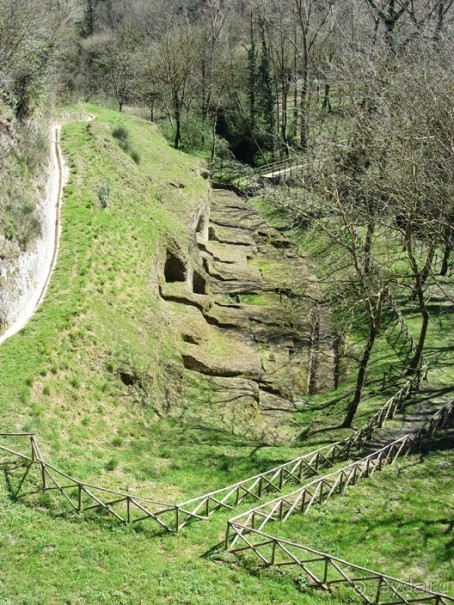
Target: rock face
{"type": "Point", "coordinates": [256, 337]}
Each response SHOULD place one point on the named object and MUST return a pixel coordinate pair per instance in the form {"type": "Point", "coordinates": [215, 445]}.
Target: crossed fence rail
{"type": "Point", "coordinates": [82, 496]}
{"type": "Point", "coordinates": [322, 488]}
{"type": "Point", "coordinates": [322, 569]}
{"type": "Point", "coordinates": [298, 469]}
{"type": "Point", "coordinates": [326, 571]}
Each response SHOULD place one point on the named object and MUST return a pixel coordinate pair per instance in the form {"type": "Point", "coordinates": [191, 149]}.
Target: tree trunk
{"type": "Point", "coordinates": [361, 377]}
{"type": "Point", "coordinates": [326, 99]}
{"type": "Point", "coordinates": [421, 280]}
{"type": "Point", "coordinates": [314, 352]}
{"type": "Point", "coordinates": [304, 125]}
{"type": "Point", "coordinates": [368, 246]}
{"type": "Point", "coordinates": [390, 35]}
{"type": "Point", "coordinates": [416, 360]}
{"type": "Point", "coordinates": [213, 136]}
{"type": "Point", "coordinates": [252, 76]}
{"type": "Point", "coordinates": [284, 116]}
{"type": "Point", "coordinates": [295, 95]}
{"type": "Point", "coordinates": [177, 129]}
{"type": "Point", "coordinates": [445, 262]}
{"type": "Point", "coordinates": [419, 290]}
{"type": "Point", "coordinates": [337, 347]}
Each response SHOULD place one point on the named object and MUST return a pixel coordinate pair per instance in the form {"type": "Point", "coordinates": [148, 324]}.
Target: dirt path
{"type": "Point", "coordinates": [58, 177]}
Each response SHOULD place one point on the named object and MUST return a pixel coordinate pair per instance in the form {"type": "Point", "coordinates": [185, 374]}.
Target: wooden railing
{"type": "Point", "coordinates": [298, 469]}
{"type": "Point", "coordinates": [303, 467]}
{"type": "Point", "coordinates": [322, 488]}
{"type": "Point", "coordinates": [325, 570]}
{"type": "Point", "coordinates": [397, 373]}
{"type": "Point", "coordinates": [404, 329]}
{"type": "Point", "coordinates": [285, 170]}
{"type": "Point", "coordinates": [127, 508]}
{"type": "Point", "coordinates": [83, 497]}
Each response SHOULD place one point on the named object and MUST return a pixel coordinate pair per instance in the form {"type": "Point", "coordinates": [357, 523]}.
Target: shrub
{"type": "Point", "coordinates": [103, 195]}
{"type": "Point", "coordinates": [111, 465]}
{"type": "Point", "coordinates": [122, 136]}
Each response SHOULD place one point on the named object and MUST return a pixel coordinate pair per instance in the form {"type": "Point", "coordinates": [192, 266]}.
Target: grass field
{"type": "Point", "coordinates": [61, 377]}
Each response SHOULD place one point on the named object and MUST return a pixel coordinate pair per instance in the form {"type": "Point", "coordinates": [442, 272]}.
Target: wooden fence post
{"type": "Point", "coordinates": [273, 552]}
{"type": "Point", "coordinates": [79, 498]}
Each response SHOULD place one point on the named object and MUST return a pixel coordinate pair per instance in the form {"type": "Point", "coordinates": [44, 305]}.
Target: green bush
{"type": "Point", "coordinates": [121, 134]}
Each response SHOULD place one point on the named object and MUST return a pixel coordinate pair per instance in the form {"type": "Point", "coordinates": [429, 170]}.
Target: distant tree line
{"type": "Point", "coordinates": [258, 72]}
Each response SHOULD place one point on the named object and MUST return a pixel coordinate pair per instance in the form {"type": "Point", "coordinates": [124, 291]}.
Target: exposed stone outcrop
{"type": "Point", "coordinates": [231, 235]}
{"type": "Point", "coordinates": [256, 333]}
{"type": "Point", "coordinates": [180, 292]}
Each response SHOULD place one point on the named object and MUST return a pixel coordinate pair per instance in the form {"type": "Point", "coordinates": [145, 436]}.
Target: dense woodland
{"type": "Point", "coordinates": [360, 91]}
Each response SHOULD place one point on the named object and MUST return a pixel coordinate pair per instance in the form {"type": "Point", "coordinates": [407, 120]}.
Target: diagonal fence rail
{"type": "Point", "coordinates": [80, 496]}
{"type": "Point", "coordinates": [301, 468]}
{"type": "Point", "coordinates": [127, 508]}
{"type": "Point", "coordinates": [244, 532]}
{"type": "Point", "coordinates": [326, 571]}
{"type": "Point", "coordinates": [322, 488]}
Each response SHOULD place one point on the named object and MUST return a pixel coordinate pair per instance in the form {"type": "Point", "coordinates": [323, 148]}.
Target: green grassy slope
{"type": "Point", "coordinates": [61, 376]}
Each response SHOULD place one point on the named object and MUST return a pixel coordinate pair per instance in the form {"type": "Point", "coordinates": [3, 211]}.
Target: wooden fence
{"type": "Point", "coordinates": [397, 373]}
{"type": "Point", "coordinates": [298, 469]}
{"type": "Point", "coordinates": [81, 496]}
{"type": "Point", "coordinates": [322, 488]}
{"type": "Point", "coordinates": [303, 467]}
{"type": "Point", "coordinates": [327, 571]}
{"type": "Point", "coordinates": [244, 532]}
{"type": "Point", "coordinates": [284, 170]}
{"type": "Point", "coordinates": [126, 508]}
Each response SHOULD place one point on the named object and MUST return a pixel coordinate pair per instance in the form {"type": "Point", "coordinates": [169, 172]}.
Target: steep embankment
{"type": "Point", "coordinates": [98, 372]}
{"type": "Point", "coordinates": [251, 327]}
{"type": "Point", "coordinates": [92, 364]}
{"type": "Point", "coordinates": [27, 277]}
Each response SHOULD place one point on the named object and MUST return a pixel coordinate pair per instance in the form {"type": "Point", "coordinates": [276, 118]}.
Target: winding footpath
{"type": "Point", "coordinates": [58, 177]}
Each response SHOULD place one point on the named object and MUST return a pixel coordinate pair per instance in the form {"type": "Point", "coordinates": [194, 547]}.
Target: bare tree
{"type": "Point", "coordinates": [176, 55]}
